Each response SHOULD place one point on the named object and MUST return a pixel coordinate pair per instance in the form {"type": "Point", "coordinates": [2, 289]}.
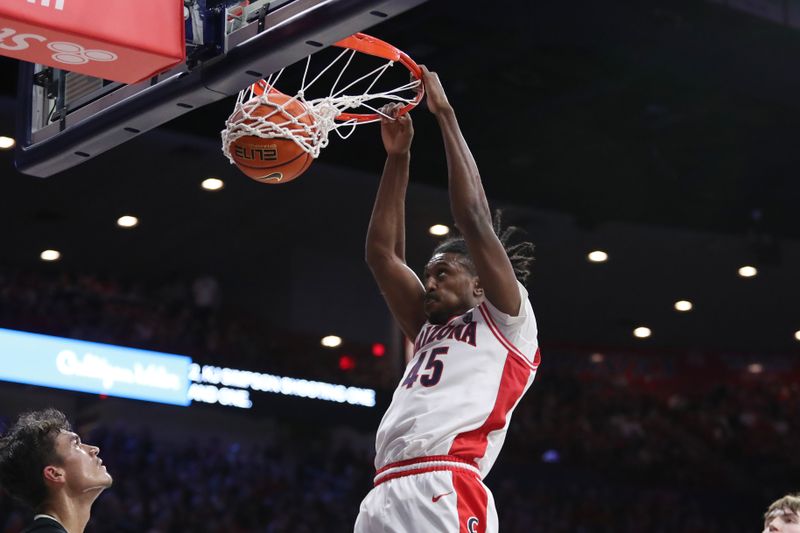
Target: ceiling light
{"type": "Point", "coordinates": [755, 368]}
{"type": "Point", "coordinates": [597, 358]}
{"type": "Point", "coordinates": [797, 334]}
{"type": "Point", "coordinates": [6, 142]}
{"type": "Point", "coordinates": [597, 256]}
{"type": "Point", "coordinates": [50, 255]}
{"type": "Point", "coordinates": [212, 184]}
{"type": "Point", "coordinates": [642, 332]}
{"type": "Point", "coordinates": [331, 341]}
{"type": "Point", "coordinates": [683, 305]}
{"type": "Point", "coordinates": [127, 221]}
{"type": "Point", "coordinates": [439, 230]}
{"type": "Point", "coordinates": [748, 271]}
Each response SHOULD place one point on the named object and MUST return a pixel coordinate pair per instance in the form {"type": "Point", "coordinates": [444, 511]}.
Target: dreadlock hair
{"type": "Point", "coordinates": [520, 254]}
{"type": "Point", "coordinates": [27, 447]}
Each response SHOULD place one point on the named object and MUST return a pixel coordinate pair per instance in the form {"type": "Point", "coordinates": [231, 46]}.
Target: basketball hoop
{"type": "Point", "coordinates": [345, 106]}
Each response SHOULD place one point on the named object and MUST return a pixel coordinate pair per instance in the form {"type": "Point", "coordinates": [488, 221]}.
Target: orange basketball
{"type": "Point", "coordinates": [277, 160]}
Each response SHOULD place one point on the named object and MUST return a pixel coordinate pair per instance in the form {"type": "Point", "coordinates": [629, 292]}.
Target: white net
{"type": "Point", "coordinates": [308, 122]}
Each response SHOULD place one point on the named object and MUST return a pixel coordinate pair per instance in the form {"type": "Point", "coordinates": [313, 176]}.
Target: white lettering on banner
{"type": "Point", "coordinates": [46, 3]}
{"type": "Point", "coordinates": [20, 40]}
{"type": "Point", "coordinates": [234, 397]}
{"type": "Point", "coordinates": [223, 396]}
{"type": "Point", "coordinates": [75, 54]}
{"type": "Point", "coordinates": [357, 396]}
{"type": "Point", "coordinates": [194, 372]}
{"type": "Point", "coordinates": [65, 52]}
{"type": "Point", "coordinates": [203, 393]}
{"type": "Point", "coordinates": [256, 381]}
{"type": "Point", "coordinates": [97, 367]}
{"type": "Point", "coordinates": [211, 374]}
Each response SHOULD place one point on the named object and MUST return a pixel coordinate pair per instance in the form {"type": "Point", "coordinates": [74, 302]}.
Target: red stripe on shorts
{"type": "Point", "coordinates": [472, 503]}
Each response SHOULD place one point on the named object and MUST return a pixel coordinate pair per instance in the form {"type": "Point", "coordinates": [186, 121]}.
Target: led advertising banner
{"type": "Point", "coordinates": [93, 367]}
{"type": "Point", "coordinates": [232, 387]}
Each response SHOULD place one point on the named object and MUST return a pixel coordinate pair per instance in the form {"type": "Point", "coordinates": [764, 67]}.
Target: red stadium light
{"type": "Point", "coordinates": [378, 349]}
{"type": "Point", "coordinates": [347, 363]}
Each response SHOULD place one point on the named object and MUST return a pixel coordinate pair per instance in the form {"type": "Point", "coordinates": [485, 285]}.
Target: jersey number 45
{"type": "Point", "coordinates": [433, 367]}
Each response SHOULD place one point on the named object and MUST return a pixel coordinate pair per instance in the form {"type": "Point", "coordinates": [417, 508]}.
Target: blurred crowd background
{"type": "Point", "coordinates": [605, 441]}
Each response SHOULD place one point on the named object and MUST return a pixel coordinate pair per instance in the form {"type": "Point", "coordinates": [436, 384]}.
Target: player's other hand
{"type": "Point", "coordinates": [396, 131]}
{"type": "Point", "coordinates": [437, 99]}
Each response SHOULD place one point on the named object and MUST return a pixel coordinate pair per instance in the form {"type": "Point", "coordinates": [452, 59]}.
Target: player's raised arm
{"type": "Point", "coordinates": [385, 248]}
{"type": "Point", "coordinates": [469, 205]}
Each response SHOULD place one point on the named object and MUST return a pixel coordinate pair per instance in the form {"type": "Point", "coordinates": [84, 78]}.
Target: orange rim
{"type": "Point", "coordinates": [367, 44]}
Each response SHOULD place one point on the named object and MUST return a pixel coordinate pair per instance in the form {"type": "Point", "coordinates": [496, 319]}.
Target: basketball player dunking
{"type": "Point", "coordinates": [475, 347]}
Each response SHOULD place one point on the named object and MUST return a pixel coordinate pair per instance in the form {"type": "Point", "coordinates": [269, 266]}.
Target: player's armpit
{"type": "Point", "coordinates": [492, 264]}
{"type": "Point", "coordinates": [403, 292]}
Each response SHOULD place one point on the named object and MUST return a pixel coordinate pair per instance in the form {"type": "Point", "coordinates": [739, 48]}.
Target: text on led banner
{"type": "Point", "coordinates": [227, 386]}
{"type": "Point", "coordinates": [93, 367]}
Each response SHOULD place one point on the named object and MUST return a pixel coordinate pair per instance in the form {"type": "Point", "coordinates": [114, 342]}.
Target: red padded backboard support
{"type": "Point", "coordinates": [119, 40]}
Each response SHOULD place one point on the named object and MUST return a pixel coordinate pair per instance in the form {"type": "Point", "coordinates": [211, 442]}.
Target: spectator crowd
{"type": "Point", "coordinates": [587, 451]}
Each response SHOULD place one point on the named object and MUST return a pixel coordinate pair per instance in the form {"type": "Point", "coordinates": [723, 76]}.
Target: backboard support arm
{"type": "Point", "coordinates": [290, 34]}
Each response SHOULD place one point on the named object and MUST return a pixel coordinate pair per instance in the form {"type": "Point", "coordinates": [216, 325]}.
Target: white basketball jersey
{"type": "Point", "coordinates": [460, 388]}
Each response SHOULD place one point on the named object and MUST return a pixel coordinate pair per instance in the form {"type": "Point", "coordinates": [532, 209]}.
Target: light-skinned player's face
{"type": "Point", "coordinates": [450, 288]}
{"type": "Point", "coordinates": [782, 521]}
{"type": "Point", "coordinates": [80, 470]}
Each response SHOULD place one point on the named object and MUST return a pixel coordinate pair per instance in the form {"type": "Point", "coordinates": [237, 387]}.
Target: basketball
{"type": "Point", "coordinates": [272, 160]}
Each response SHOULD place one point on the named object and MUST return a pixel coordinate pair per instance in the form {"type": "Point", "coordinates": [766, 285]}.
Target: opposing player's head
{"type": "Point", "coordinates": [40, 457]}
{"type": "Point", "coordinates": [451, 281]}
{"type": "Point", "coordinates": [783, 515]}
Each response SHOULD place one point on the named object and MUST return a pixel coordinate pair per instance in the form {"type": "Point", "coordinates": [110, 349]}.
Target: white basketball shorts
{"type": "Point", "coordinates": [428, 495]}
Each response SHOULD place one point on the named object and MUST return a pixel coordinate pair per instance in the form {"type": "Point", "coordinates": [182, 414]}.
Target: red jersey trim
{"type": "Point", "coordinates": [505, 342]}
{"type": "Point", "coordinates": [471, 445]}
{"type": "Point", "coordinates": [417, 471]}
{"type": "Point", "coordinates": [425, 459]}
{"type": "Point", "coordinates": [422, 465]}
